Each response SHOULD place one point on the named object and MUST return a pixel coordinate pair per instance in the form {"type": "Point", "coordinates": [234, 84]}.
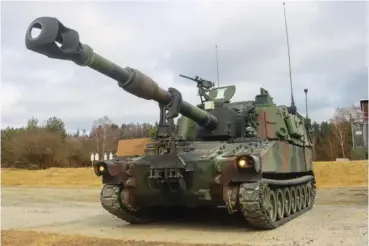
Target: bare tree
{"type": "Point", "coordinates": [341, 127]}
{"type": "Point", "coordinates": [96, 135]}
{"type": "Point", "coordinates": [106, 135]}
{"type": "Point", "coordinates": [332, 150]}
{"type": "Point", "coordinates": [355, 114]}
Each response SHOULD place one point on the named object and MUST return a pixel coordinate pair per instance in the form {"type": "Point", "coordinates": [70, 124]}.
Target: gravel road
{"type": "Point", "coordinates": [339, 217]}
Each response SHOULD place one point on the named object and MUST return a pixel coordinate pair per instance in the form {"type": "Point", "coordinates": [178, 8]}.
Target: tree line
{"type": "Point", "coordinates": [40, 146]}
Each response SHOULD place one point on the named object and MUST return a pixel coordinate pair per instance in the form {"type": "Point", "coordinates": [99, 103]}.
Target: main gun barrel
{"type": "Point", "coordinates": [60, 42]}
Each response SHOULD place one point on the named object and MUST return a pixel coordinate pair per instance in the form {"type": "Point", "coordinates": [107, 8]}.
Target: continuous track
{"type": "Point", "coordinates": [270, 206]}
{"type": "Point", "coordinates": [262, 204]}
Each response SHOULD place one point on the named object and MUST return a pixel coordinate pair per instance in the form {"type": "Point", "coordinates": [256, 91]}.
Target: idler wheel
{"type": "Point", "coordinates": [127, 200]}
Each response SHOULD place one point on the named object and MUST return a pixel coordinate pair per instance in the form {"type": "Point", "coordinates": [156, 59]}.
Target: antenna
{"type": "Point", "coordinates": [293, 107]}
{"type": "Point", "coordinates": [216, 55]}
{"type": "Point", "coordinates": [306, 103]}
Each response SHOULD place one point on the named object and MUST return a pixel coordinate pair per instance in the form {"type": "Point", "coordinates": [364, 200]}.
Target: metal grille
{"type": "Point", "coordinates": [165, 173]}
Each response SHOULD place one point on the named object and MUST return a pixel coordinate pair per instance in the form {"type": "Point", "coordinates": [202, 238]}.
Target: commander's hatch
{"type": "Point", "coordinates": [217, 96]}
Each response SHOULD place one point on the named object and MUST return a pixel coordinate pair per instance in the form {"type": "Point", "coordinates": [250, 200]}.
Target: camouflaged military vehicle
{"type": "Point", "coordinates": [252, 157]}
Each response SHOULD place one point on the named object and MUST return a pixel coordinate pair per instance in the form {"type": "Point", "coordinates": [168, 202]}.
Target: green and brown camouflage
{"type": "Point", "coordinates": [252, 157]}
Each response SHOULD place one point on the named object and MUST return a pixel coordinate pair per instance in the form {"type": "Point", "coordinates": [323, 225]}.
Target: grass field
{"type": "Point", "coordinates": [328, 174]}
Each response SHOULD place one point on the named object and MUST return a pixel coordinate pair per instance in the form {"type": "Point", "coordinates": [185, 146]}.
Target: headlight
{"type": "Point", "coordinates": [245, 162]}
{"type": "Point", "coordinates": [248, 161]}
{"type": "Point", "coordinates": [99, 168]}
{"type": "Point", "coordinates": [242, 163]}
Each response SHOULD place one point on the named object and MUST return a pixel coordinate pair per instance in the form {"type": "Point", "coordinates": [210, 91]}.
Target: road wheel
{"type": "Point", "coordinates": [287, 201]}
{"type": "Point", "coordinates": [303, 196]}
{"type": "Point", "coordinates": [298, 198]}
{"type": "Point", "coordinates": [280, 204]}
{"type": "Point", "coordinates": [309, 191]}
{"type": "Point", "coordinates": [293, 200]}
{"type": "Point", "coordinates": [272, 206]}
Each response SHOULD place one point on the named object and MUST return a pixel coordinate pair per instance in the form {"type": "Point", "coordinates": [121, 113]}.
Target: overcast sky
{"type": "Point", "coordinates": [163, 39]}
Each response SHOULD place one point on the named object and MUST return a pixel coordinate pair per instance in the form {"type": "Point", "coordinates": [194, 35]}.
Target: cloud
{"type": "Point", "coordinates": [164, 39]}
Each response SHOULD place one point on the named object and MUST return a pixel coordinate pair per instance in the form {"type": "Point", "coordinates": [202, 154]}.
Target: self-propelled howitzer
{"type": "Point", "coordinates": [252, 157]}
{"type": "Point", "coordinates": [53, 32]}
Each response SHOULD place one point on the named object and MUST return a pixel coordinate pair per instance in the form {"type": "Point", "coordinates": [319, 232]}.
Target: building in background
{"type": "Point", "coordinates": [132, 147]}
{"type": "Point", "coordinates": [364, 108]}
{"type": "Point", "coordinates": [360, 133]}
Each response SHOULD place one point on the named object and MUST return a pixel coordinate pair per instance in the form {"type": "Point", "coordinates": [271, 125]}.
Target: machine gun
{"type": "Point", "coordinates": [203, 85]}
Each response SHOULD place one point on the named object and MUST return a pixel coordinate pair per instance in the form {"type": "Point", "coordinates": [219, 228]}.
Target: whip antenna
{"type": "Point", "coordinates": [293, 107]}
{"type": "Point", "coordinates": [216, 56]}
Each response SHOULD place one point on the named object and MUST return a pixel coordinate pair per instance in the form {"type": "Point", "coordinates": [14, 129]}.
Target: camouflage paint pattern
{"type": "Point", "coordinates": [214, 169]}
{"type": "Point", "coordinates": [281, 146]}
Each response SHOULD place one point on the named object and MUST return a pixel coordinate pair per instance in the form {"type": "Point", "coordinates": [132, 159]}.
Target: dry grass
{"type": "Point", "coordinates": [65, 177]}
{"type": "Point", "coordinates": [328, 174]}
{"type": "Point", "coordinates": [341, 174]}
{"type": "Point", "coordinates": [31, 238]}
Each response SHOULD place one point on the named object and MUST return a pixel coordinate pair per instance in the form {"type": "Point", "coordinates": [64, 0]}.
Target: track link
{"type": "Point", "coordinates": [110, 201]}
{"type": "Point", "coordinates": [253, 209]}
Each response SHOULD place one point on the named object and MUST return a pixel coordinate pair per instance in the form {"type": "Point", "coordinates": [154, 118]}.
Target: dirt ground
{"type": "Point", "coordinates": [339, 218]}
